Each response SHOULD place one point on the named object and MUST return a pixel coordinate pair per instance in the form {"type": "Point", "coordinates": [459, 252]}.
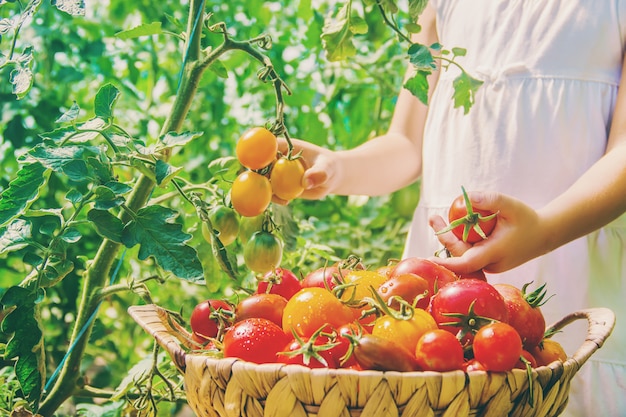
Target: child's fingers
{"type": "Point", "coordinates": [454, 245]}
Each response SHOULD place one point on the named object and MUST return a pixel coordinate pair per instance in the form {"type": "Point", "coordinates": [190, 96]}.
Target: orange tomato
{"type": "Point", "coordinates": [250, 194]}
{"type": "Point", "coordinates": [405, 332]}
{"type": "Point", "coordinates": [286, 178]}
{"type": "Point", "coordinates": [256, 148]}
{"type": "Point", "coordinates": [548, 351]}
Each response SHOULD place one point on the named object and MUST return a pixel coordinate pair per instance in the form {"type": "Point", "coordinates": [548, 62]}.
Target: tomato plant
{"type": "Point", "coordinates": [263, 252]}
{"type": "Point", "coordinates": [256, 148]}
{"type": "Point", "coordinates": [279, 281]}
{"type": "Point", "coordinates": [439, 350]}
{"type": "Point", "coordinates": [265, 306]}
{"type": "Point", "coordinates": [286, 178]}
{"type": "Point", "coordinates": [497, 346]}
{"type": "Point", "coordinates": [313, 308]}
{"type": "Point", "coordinates": [251, 194]}
{"type": "Point", "coordinates": [254, 340]}
{"type": "Point", "coordinates": [225, 222]}
{"type": "Point", "coordinates": [209, 318]}
{"type": "Point", "coordinates": [469, 224]}
{"type": "Point", "coordinates": [465, 305]}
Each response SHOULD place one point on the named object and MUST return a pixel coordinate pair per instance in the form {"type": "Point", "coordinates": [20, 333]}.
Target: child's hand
{"type": "Point", "coordinates": [322, 168]}
{"type": "Point", "coordinates": [520, 235]}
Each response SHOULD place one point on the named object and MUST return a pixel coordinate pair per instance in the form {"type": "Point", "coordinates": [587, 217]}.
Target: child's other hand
{"type": "Point", "coordinates": [519, 235]}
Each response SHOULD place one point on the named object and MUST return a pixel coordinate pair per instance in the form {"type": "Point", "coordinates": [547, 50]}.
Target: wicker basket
{"type": "Point", "coordinates": [232, 388]}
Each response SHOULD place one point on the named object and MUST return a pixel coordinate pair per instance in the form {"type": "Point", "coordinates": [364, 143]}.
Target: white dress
{"type": "Point", "coordinates": [551, 70]}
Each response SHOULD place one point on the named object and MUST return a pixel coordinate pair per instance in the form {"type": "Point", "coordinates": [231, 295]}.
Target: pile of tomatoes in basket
{"type": "Point", "coordinates": [410, 315]}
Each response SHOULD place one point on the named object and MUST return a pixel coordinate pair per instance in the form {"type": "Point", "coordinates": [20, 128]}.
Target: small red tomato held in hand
{"type": "Point", "coordinates": [469, 224]}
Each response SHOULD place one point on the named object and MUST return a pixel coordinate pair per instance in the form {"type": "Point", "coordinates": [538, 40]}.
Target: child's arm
{"type": "Point", "coordinates": [382, 164]}
{"type": "Point", "coordinates": [521, 234]}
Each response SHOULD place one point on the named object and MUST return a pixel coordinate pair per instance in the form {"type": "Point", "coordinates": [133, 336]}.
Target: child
{"type": "Point", "coordinates": [544, 143]}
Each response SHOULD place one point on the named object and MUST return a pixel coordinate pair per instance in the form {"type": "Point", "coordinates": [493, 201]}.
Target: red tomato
{"type": "Point", "coordinates": [436, 275]}
{"type": "Point", "coordinates": [528, 357]}
{"type": "Point", "coordinates": [312, 353]}
{"type": "Point", "coordinates": [255, 340]}
{"type": "Point", "coordinates": [343, 349]}
{"type": "Point", "coordinates": [406, 286]}
{"type": "Point", "coordinates": [280, 281]}
{"type": "Point", "coordinates": [524, 313]}
{"type": "Point", "coordinates": [469, 224]}
{"type": "Point", "coordinates": [265, 306]}
{"type": "Point", "coordinates": [497, 346]}
{"type": "Point", "coordinates": [473, 365]}
{"type": "Point", "coordinates": [312, 308]}
{"type": "Point", "coordinates": [209, 316]}
{"type": "Point", "coordinates": [457, 297]}
{"type": "Point", "coordinates": [439, 350]}
{"type": "Point", "coordinates": [324, 277]}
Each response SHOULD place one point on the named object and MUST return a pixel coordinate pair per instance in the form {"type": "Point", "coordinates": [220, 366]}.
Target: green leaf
{"type": "Point", "coordinates": [26, 344]}
{"type": "Point", "coordinates": [418, 86]}
{"type": "Point", "coordinates": [164, 172]}
{"type": "Point", "coordinates": [146, 29]}
{"type": "Point", "coordinates": [15, 236]}
{"type": "Point", "coordinates": [92, 127]}
{"type": "Point", "coordinates": [219, 69]}
{"type": "Point", "coordinates": [459, 51]}
{"type": "Point", "coordinates": [105, 198]}
{"type": "Point", "coordinates": [57, 158]}
{"type": "Point", "coordinates": [152, 228]}
{"type": "Point", "coordinates": [58, 135]}
{"type": "Point", "coordinates": [465, 88]}
{"type": "Point", "coordinates": [107, 225]}
{"type": "Point", "coordinates": [71, 7]}
{"type": "Point", "coordinates": [416, 7]}
{"type": "Point", "coordinates": [22, 191]}
{"type": "Point", "coordinates": [22, 80]}
{"type": "Point", "coordinates": [110, 409]}
{"type": "Point", "coordinates": [71, 235]}
{"type": "Point", "coordinates": [225, 260]}
{"type": "Point", "coordinates": [71, 114]}
{"type": "Point", "coordinates": [171, 139]}
{"type": "Point", "coordinates": [226, 167]}
{"type": "Point", "coordinates": [105, 100]}
{"type": "Point", "coordinates": [337, 36]}
{"type": "Point", "coordinates": [421, 58]}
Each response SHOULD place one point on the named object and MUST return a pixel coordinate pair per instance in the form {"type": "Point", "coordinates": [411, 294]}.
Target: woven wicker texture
{"type": "Point", "coordinates": [232, 388]}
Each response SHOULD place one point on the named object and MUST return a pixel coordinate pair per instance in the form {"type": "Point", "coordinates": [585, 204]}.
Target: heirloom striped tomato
{"type": "Point", "coordinates": [263, 252]}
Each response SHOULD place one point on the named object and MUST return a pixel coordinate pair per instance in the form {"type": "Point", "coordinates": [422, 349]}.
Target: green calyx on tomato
{"type": "Point", "coordinates": [468, 224]}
